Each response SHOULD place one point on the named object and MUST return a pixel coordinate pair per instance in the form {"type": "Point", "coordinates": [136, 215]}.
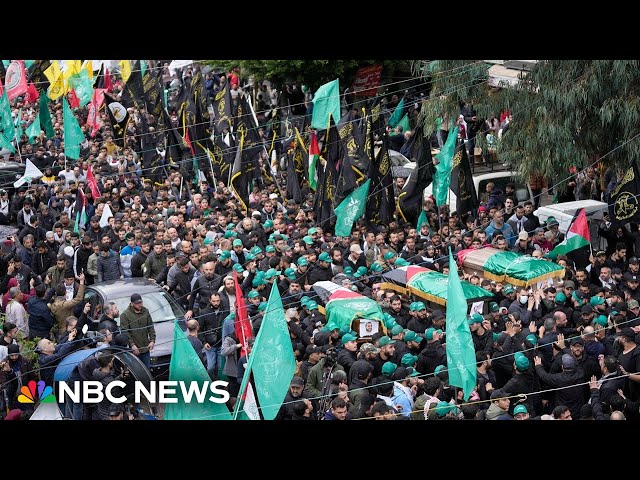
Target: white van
{"type": "Point", "coordinates": [564, 212]}
{"type": "Point", "coordinates": [500, 178]}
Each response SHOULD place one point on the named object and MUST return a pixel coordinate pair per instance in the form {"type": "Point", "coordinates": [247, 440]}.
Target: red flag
{"type": "Point", "coordinates": [74, 101]}
{"type": "Point", "coordinates": [93, 185]}
{"type": "Point", "coordinates": [242, 324]}
{"type": "Point", "coordinates": [107, 80]}
{"type": "Point", "coordinates": [32, 95]}
{"type": "Point", "coordinates": [93, 119]}
{"type": "Point", "coordinates": [15, 80]}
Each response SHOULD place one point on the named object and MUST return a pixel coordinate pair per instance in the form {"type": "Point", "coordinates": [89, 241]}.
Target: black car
{"type": "Point", "coordinates": [163, 308]}
{"type": "Point", "coordinates": [10, 172]}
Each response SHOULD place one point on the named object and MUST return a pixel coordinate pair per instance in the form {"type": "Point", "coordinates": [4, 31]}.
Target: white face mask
{"type": "Point", "coordinates": [524, 299]}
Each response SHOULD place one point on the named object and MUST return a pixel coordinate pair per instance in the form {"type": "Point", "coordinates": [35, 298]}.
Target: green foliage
{"type": "Point", "coordinates": [565, 112]}
{"type": "Point", "coordinates": [312, 73]}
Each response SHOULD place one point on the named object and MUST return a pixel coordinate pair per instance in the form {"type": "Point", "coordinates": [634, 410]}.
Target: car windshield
{"type": "Point", "coordinates": [161, 305]}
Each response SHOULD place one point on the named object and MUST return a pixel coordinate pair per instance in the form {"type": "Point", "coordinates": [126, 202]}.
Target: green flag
{"type": "Point", "coordinates": [421, 219]}
{"type": "Point", "coordinates": [143, 67]}
{"type": "Point", "coordinates": [28, 63]}
{"type": "Point", "coordinates": [404, 123]}
{"type": "Point", "coordinates": [6, 144]}
{"type": "Point", "coordinates": [461, 355]}
{"type": "Point", "coordinates": [186, 367]}
{"type": "Point", "coordinates": [350, 209]}
{"type": "Point", "coordinates": [19, 129]}
{"type": "Point", "coordinates": [442, 178]}
{"type": "Point", "coordinates": [397, 114]}
{"type": "Point", "coordinates": [326, 102]}
{"type": "Point", "coordinates": [7, 131]}
{"type": "Point", "coordinates": [271, 359]}
{"type": "Point", "coordinates": [45, 116]}
{"type": "Point", "coordinates": [33, 130]}
{"type": "Point", "coordinates": [73, 135]}
{"type": "Point", "coordinates": [82, 86]}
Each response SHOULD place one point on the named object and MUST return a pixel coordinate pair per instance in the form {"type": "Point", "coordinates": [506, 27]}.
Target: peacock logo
{"type": "Point", "coordinates": [33, 392]}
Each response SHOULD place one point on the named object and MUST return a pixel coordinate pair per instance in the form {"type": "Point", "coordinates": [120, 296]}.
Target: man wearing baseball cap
{"type": "Point", "coordinates": [136, 322]}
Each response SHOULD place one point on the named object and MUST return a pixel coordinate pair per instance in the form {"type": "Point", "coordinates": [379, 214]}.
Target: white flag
{"type": "Point", "coordinates": [30, 172]}
{"type": "Point", "coordinates": [250, 405]}
{"type": "Point", "coordinates": [106, 213]}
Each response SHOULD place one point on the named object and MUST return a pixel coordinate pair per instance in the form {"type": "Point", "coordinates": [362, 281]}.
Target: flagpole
{"type": "Point", "coordinates": [275, 179]}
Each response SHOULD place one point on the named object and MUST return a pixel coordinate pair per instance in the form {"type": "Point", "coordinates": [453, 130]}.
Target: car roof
{"type": "Point", "coordinates": [125, 288]}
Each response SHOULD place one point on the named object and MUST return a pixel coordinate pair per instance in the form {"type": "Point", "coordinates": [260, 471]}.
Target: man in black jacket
{"type": "Point", "coordinates": [572, 396]}
{"type": "Point", "coordinates": [205, 285]}
{"type": "Point", "coordinates": [81, 259]}
{"type": "Point", "coordinates": [43, 259]}
{"type": "Point", "coordinates": [210, 334]}
{"type": "Point", "coordinates": [40, 317]}
{"type": "Point", "coordinates": [139, 260]}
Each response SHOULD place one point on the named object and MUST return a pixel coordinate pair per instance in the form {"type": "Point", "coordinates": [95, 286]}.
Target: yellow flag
{"type": "Point", "coordinates": [54, 75]}
{"type": "Point", "coordinates": [88, 65]}
{"type": "Point", "coordinates": [73, 67]}
{"type": "Point", "coordinates": [125, 69]}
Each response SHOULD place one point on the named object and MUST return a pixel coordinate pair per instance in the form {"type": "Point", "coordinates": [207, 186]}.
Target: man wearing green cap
{"type": "Point", "coordinates": [224, 265]}
{"type": "Point", "coordinates": [520, 412]}
{"type": "Point", "coordinates": [348, 354]}
{"type": "Point", "coordinates": [481, 333]}
{"type": "Point", "coordinates": [253, 300]}
{"type": "Point", "coordinates": [238, 252]}
{"type": "Point", "coordinates": [420, 321]}
{"type": "Point", "coordinates": [389, 259]}
{"type": "Point", "coordinates": [433, 354]}
{"type": "Point", "coordinates": [397, 334]}
{"type": "Point", "coordinates": [524, 380]}
{"type": "Point", "coordinates": [509, 296]}
{"type": "Point", "coordinates": [303, 273]}
{"type": "Point", "coordinates": [322, 270]}
{"type": "Point", "coordinates": [314, 319]}
{"type": "Point", "coordinates": [386, 354]}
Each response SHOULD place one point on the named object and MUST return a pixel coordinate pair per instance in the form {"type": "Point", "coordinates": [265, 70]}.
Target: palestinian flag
{"type": "Point", "coordinates": [429, 285]}
{"type": "Point", "coordinates": [81, 212]}
{"type": "Point", "coordinates": [510, 267]}
{"type": "Point", "coordinates": [344, 306]}
{"type": "Point", "coordinates": [314, 153]}
{"type": "Point", "coordinates": [578, 236]}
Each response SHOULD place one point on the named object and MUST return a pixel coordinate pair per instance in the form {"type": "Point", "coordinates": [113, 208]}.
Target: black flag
{"type": "Point", "coordinates": [410, 199]}
{"type": "Point", "coordinates": [381, 203]}
{"type": "Point", "coordinates": [222, 109]}
{"type": "Point", "coordinates": [328, 178]}
{"type": "Point", "coordinates": [119, 117]}
{"type": "Point", "coordinates": [352, 130]}
{"type": "Point", "coordinates": [293, 185]}
{"type": "Point", "coordinates": [462, 182]}
{"type": "Point", "coordinates": [153, 96]}
{"type": "Point", "coordinates": [623, 201]}
{"type": "Point", "coordinates": [133, 91]}
{"type": "Point", "coordinates": [37, 76]}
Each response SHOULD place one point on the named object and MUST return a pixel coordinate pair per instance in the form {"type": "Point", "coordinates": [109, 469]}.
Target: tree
{"type": "Point", "coordinates": [312, 73]}
{"type": "Point", "coordinates": [566, 113]}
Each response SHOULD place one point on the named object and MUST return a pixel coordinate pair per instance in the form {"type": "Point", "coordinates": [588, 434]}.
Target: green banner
{"type": "Point", "coordinates": [326, 102]}
{"type": "Point", "coordinates": [185, 366]}
{"type": "Point", "coordinates": [350, 209]}
{"type": "Point", "coordinates": [461, 355]}
{"type": "Point", "coordinates": [436, 284]}
{"type": "Point", "coordinates": [341, 312]}
{"type": "Point", "coordinates": [521, 269]}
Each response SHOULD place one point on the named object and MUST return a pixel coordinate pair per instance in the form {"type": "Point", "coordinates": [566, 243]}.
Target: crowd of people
{"type": "Point", "coordinates": [565, 351]}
